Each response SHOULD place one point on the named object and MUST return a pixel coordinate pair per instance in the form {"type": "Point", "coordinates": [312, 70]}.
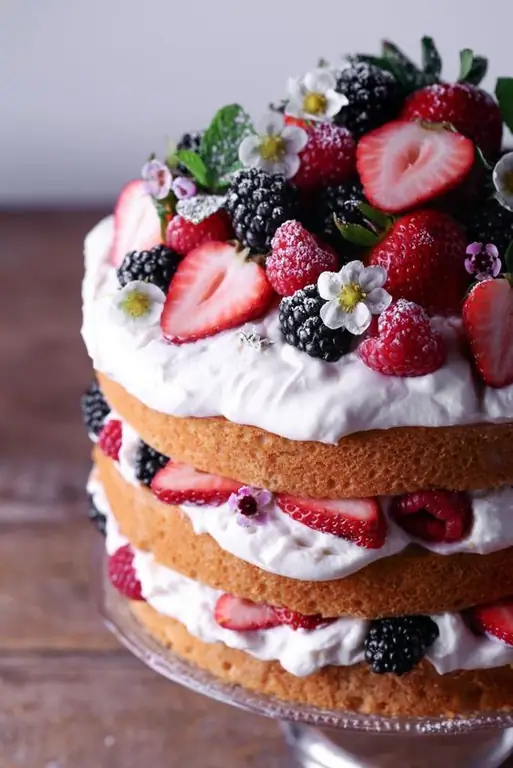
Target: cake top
{"type": "Point", "coordinates": [340, 265]}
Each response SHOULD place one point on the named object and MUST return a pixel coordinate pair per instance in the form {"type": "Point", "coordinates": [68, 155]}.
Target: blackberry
{"type": "Point", "coordinates": [97, 517]}
{"type": "Point", "coordinates": [257, 203]}
{"type": "Point", "coordinates": [94, 408]}
{"type": "Point", "coordinates": [340, 200]}
{"type": "Point", "coordinates": [303, 328]}
{"type": "Point", "coordinates": [191, 141]}
{"type": "Point", "coordinates": [148, 461]}
{"type": "Point", "coordinates": [156, 266]}
{"type": "Point", "coordinates": [396, 645]}
{"type": "Point", "coordinates": [491, 223]}
{"type": "Point", "coordinates": [374, 97]}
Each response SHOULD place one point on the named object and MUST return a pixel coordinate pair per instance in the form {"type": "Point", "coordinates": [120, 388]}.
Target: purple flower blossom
{"type": "Point", "coordinates": [251, 505]}
{"type": "Point", "coordinates": [157, 179]}
{"type": "Point", "coordinates": [184, 188]}
{"type": "Point", "coordinates": [482, 261]}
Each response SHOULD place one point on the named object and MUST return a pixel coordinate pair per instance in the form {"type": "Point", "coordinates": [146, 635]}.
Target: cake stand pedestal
{"type": "Point", "coordinates": [330, 738]}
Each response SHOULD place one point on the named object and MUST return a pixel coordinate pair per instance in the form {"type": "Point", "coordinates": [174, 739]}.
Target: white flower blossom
{"type": "Point", "coordinates": [314, 96]}
{"type": "Point", "coordinates": [503, 181]}
{"type": "Point", "coordinates": [138, 305]}
{"type": "Point", "coordinates": [275, 146]}
{"type": "Point", "coordinates": [353, 295]}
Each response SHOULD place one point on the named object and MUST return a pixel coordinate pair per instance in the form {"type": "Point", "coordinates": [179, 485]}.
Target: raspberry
{"type": "Point", "coordinates": [434, 516]}
{"type": "Point", "coordinates": [328, 158]}
{"type": "Point", "coordinates": [122, 574]}
{"type": "Point", "coordinates": [183, 236]}
{"type": "Point", "coordinates": [406, 344]}
{"type": "Point", "coordinates": [296, 260]}
{"type": "Point", "coordinates": [110, 437]}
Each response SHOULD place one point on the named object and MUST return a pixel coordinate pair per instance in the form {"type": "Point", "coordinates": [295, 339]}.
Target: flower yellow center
{"type": "Point", "coordinates": [508, 181]}
{"type": "Point", "coordinates": [272, 148]}
{"type": "Point", "coordinates": [351, 295]}
{"type": "Point", "coordinates": [136, 304]}
{"type": "Point", "coordinates": [315, 103]}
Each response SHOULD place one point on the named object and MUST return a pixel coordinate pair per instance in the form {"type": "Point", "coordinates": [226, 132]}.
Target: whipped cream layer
{"type": "Point", "coordinates": [300, 652]}
{"type": "Point", "coordinates": [288, 548]}
{"type": "Point", "coordinates": [279, 388]}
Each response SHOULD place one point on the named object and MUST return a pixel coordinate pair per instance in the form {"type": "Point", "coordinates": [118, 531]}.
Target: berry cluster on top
{"type": "Point", "coordinates": [374, 197]}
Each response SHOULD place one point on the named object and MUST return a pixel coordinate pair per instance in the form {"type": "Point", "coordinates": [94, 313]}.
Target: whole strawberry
{"type": "Point", "coordinates": [122, 574]}
{"type": "Point", "coordinates": [183, 236]}
{"type": "Point", "coordinates": [424, 255]}
{"type": "Point", "coordinates": [328, 158]}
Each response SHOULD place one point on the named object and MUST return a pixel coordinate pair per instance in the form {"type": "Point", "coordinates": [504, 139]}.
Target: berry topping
{"type": "Point", "coordinates": [340, 201]}
{"type": "Point", "coordinates": [434, 516]}
{"type": "Point", "coordinates": [156, 266]}
{"type": "Point", "coordinates": [328, 158]}
{"type": "Point", "coordinates": [358, 520]}
{"type": "Point", "coordinates": [296, 260]}
{"type": "Point", "coordinates": [302, 327]}
{"type": "Point", "coordinates": [243, 615]}
{"type": "Point", "coordinates": [97, 518]}
{"type": "Point", "coordinates": [495, 619]}
{"type": "Point", "coordinates": [94, 408]}
{"type": "Point", "coordinates": [406, 344]}
{"type": "Point", "coordinates": [373, 96]}
{"type": "Point", "coordinates": [122, 575]}
{"type": "Point", "coordinates": [257, 203]}
{"type": "Point", "coordinates": [180, 484]}
{"type": "Point", "coordinates": [402, 165]}
{"type": "Point", "coordinates": [214, 288]}
{"type": "Point", "coordinates": [183, 236]}
{"type": "Point", "coordinates": [192, 142]}
{"type": "Point", "coordinates": [136, 223]}
{"type": "Point", "coordinates": [299, 620]}
{"type": "Point", "coordinates": [472, 112]}
{"type": "Point", "coordinates": [491, 223]}
{"type": "Point", "coordinates": [110, 438]}
{"type": "Point", "coordinates": [424, 255]}
{"type": "Point", "coordinates": [148, 461]}
{"type": "Point", "coordinates": [398, 644]}
{"type": "Point", "coordinates": [488, 323]}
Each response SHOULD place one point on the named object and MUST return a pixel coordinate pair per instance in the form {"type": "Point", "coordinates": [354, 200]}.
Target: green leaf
{"type": "Point", "coordinates": [356, 234]}
{"type": "Point", "coordinates": [220, 144]}
{"type": "Point", "coordinates": [478, 70]}
{"type": "Point", "coordinates": [507, 259]}
{"type": "Point", "coordinates": [376, 217]}
{"type": "Point", "coordinates": [377, 61]}
{"type": "Point", "coordinates": [195, 165]}
{"type": "Point", "coordinates": [402, 67]}
{"type": "Point", "coordinates": [482, 159]}
{"type": "Point", "coordinates": [504, 93]}
{"type": "Point", "coordinates": [431, 59]}
{"type": "Point", "coordinates": [466, 62]}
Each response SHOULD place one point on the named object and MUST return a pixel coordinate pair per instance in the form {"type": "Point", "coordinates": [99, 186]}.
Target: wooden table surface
{"type": "Point", "coordinates": [70, 696]}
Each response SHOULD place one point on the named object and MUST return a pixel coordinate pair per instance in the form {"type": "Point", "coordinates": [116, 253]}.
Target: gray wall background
{"type": "Point", "coordinates": [89, 87]}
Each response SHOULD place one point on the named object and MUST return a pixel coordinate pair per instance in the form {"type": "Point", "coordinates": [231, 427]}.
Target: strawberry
{"type": "Point", "coordinates": [122, 575]}
{"type": "Point", "coordinates": [358, 520]}
{"type": "Point", "coordinates": [406, 344]}
{"type": "Point", "coordinates": [495, 619]}
{"type": "Point", "coordinates": [402, 164]}
{"type": "Point", "coordinates": [214, 288]}
{"type": "Point", "coordinates": [488, 324]}
{"type": "Point", "coordinates": [424, 255]}
{"type": "Point", "coordinates": [109, 439]}
{"type": "Point", "coordinates": [243, 615]}
{"type": "Point", "coordinates": [472, 111]}
{"type": "Point", "coordinates": [180, 484]}
{"type": "Point", "coordinates": [136, 222]}
{"type": "Point", "coordinates": [296, 259]}
{"type": "Point", "coordinates": [300, 620]}
{"type": "Point", "coordinates": [183, 236]}
{"type": "Point", "coordinates": [328, 158]}
{"type": "Point", "coordinates": [434, 516]}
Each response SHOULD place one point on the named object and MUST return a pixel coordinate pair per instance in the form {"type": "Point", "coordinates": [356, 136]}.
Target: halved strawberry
{"type": "Point", "coordinates": [495, 619]}
{"type": "Point", "coordinates": [244, 615]}
{"type": "Point", "coordinates": [137, 225]}
{"type": "Point", "coordinates": [300, 620]}
{"type": "Point", "coordinates": [404, 164]}
{"type": "Point", "coordinates": [180, 484]}
{"type": "Point", "coordinates": [358, 520]}
{"type": "Point", "coordinates": [214, 288]}
{"type": "Point", "coordinates": [488, 323]}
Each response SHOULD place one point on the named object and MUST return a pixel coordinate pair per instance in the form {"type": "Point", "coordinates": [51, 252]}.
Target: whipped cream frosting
{"type": "Point", "coordinates": [288, 548]}
{"type": "Point", "coordinates": [278, 388]}
{"type": "Point", "coordinates": [300, 652]}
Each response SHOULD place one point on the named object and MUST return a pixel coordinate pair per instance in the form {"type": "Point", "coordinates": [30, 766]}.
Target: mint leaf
{"type": "Point", "coordinates": [478, 70]}
{"type": "Point", "coordinates": [431, 60]}
{"type": "Point", "coordinates": [504, 93]}
{"type": "Point", "coordinates": [507, 259]}
{"type": "Point", "coordinates": [376, 217]}
{"type": "Point", "coordinates": [220, 144]}
{"type": "Point", "coordinates": [466, 62]}
{"type": "Point", "coordinates": [195, 165]}
{"type": "Point", "coordinates": [356, 234]}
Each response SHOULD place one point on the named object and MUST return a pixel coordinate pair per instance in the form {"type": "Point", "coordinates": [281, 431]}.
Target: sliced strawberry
{"type": "Point", "coordinates": [488, 323]}
{"type": "Point", "coordinates": [358, 520]}
{"type": "Point", "coordinates": [300, 620]}
{"type": "Point", "coordinates": [214, 288]}
{"type": "Point", "coordinates": [243, 615]}
{"type": "Point", "coordinates": [180, 484]}
{"type": "Point", "coordinates": [404, 164]}
{"type": "Point", "coordinates": [136, 223]}
{"type": "Point", "coordinates": [495, 619]}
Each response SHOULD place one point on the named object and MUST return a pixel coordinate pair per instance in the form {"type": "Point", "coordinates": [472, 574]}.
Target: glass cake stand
{"type": "Point", "coordinates": [329, 738]}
